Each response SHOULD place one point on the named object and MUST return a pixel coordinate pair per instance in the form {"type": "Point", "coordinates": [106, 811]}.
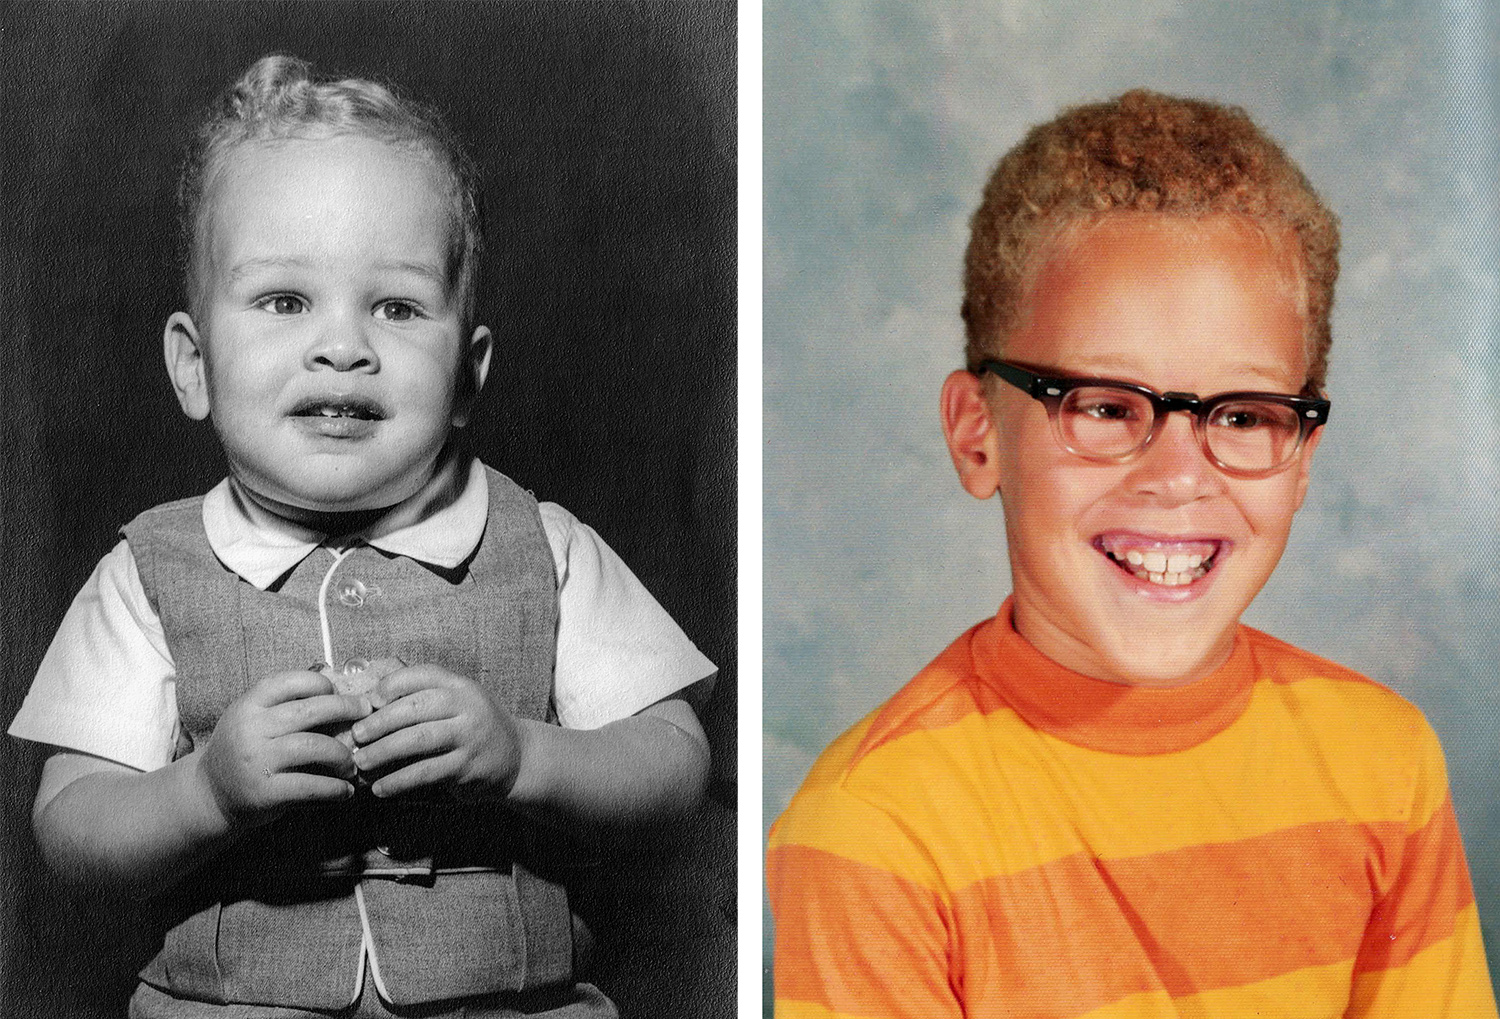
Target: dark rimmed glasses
{"type": "Point", "coordinates": [1246, 434]}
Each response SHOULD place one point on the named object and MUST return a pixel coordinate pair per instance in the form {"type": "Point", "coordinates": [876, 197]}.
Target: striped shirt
{"type": "Point", "coordinates": [1008, 838]}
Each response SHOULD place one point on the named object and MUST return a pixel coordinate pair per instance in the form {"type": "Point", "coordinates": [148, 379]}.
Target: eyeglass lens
{"type": "Point", "coordinates": [1244, 435]}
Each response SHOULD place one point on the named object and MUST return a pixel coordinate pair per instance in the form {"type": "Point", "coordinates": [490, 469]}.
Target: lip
{"type": "Point", "coordinates": [338, 415]}
{"type": "Point", "coordinates": [1211, 548]}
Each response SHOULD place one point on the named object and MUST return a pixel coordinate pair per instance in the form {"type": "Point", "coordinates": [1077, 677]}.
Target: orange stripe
{"type": "Point", "coordinates": [1448, 979]}
{"type": "Point", "coordinates": [855, 939]}
{"type": "Point", "coordinates": [949, 709]}
{"type": "Point", "coordinates": [942, 694]}
{"type": "Point", "coordinates": [1195, 919]}
{"type": "Point", "coordinates": [1430, 889]}
{"type": "Point", "coordinates": [1076, 935]}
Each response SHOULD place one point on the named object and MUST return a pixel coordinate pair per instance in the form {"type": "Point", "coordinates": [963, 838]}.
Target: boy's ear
{"type": "Point", "coordinates": [183, 350]}
{"type": "Point", "coordinates": [1304, 463]}
{"type": "Point", "coordinates": [475, 369]}
{"type": "Point", "coordinates": [972, 438]}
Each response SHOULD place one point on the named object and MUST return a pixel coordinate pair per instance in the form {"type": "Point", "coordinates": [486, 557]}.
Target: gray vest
{"type": "Point", "coordinates": [265, 923]}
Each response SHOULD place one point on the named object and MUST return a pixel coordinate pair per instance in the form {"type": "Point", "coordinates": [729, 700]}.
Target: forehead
{"type": "Point", "coordinates": [326, 198]}
{"type": "Point", "coordinates": [1200, 305]}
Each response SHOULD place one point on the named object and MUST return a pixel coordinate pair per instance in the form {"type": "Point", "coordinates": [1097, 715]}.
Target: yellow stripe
{"type": "Point", "coordinates": [836, 823]}
{"type": "Point", "coordinates": [1261, 776]}
{"type": "Point", "coordinates": [1449, 979]}
{"type": "Point", "coordinates": [1146, 1005]}
{"type": "Point", "coordinates": [809, 1010]}
{"type": "Point", "coordinates": [1317, 992]}
{"type": "Point", "coordinates": [824, 816]}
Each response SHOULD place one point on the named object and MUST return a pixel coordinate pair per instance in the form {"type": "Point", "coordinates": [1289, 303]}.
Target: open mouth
{"type": "Point", "coordinates": [1166, 563]}
{"type": "Point", "coordinates": [340, 407]}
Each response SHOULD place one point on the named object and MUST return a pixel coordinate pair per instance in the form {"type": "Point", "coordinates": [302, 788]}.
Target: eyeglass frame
{"type": "Point", "coordinates": [1051, 390]}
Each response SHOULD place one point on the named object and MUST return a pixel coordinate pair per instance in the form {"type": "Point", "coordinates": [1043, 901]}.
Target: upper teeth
{"type": "Point", "coordinates": [1160, 568]}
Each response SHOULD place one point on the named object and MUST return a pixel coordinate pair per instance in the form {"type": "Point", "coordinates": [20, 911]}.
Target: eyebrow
{"type": "Point", "coordinates": [250, 266]}
{"type": "Point", "coordinates": [1113, 366]}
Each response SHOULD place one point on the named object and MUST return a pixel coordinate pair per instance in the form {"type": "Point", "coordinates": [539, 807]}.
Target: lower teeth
{"type": "Point", "coordinates": [1169, 579]}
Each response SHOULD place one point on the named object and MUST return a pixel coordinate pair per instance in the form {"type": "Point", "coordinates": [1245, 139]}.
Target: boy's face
{"type": "Point", "coordinates": [330, 351]}
{"type": "Point", "coordinates": [1202, 307]}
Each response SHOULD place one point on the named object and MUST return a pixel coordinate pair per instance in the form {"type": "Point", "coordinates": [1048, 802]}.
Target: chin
{"type": "Point", "coordinates": [296, 502]}
{"type": "Point", "coordinates": [1156, 660]}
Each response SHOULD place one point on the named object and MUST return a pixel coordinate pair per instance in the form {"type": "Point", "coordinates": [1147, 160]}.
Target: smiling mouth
{"type": "Point", "coordinates": [342, 407]}
{"type": "Point", "coordinates": [1165, 563]}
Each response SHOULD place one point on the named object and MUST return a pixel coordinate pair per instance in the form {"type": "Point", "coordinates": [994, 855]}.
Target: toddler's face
{"type": "Point", "coordinates": [331, 353]}
{"type": "Point", "coordinates": [1202, 308]}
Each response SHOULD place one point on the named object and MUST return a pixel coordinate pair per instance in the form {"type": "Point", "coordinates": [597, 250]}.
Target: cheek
{"type": "Point", "coordinates": [1027, 450]}
{"type": "Point", "coordinates": [1269, 511]}
{"type": "Point", "coordinates": [1045, 502]}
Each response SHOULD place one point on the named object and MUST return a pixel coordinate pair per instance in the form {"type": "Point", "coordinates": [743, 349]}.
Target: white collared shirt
{"type": "Point", "coordinates": [107, 685]}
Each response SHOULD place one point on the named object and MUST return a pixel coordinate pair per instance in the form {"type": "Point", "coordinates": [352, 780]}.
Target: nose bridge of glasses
{"type": "Point", "coordinates": [1166, 403]}
{"type": "Point", "coordinates": [1162, 407]}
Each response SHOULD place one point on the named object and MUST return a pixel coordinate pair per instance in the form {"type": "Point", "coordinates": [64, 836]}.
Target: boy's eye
{"type": "Point", "coordinates": [1239, 419]}
{"type": "Point", "coordinates": [1103, 408]}
{"type": "Point", "coordinates": [284, 304]}
{"type": "Point", "coordinates": [1253, 416]}
{"type": "Point", "coordinates": [396, 311]}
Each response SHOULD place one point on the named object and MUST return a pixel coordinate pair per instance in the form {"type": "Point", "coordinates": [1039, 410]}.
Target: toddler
{"type": "Point", "coordinates": [344, 712]}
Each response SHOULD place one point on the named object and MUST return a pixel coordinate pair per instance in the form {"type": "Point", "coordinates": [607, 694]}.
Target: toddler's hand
{"type": "Point", "coordinates": [360, 677]}
{"type": "Point", "coordinates": [437, 729]}
{"type": "Point", "coordinates": [264, 755]}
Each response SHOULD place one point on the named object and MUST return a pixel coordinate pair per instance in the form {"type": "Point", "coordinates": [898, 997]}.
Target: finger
{"type": "Point", "coordinates": [280, 687]}
{"type": "Point", "coordinates": [315, 712]}
{"type": "Point", "coordinates": [385, 666]}
{"type": "Point", "coordinates": [427, 739]}
{"type": "Point", "coordinates": [291, 787]}
{"type": "Point", "coordinates": [422, 705]}
{"type": "Point", "coordinates": [303, 750]}
{"type": "Point", "coordinates": [412, 678]}
{"type": "Point", "coordinates": [417, 776]}
{"type": "Point", "coordinates": [379, 669]}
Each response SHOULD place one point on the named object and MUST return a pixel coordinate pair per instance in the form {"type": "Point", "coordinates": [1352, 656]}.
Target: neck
{"type": "Point", "coordinates": [334, 524]}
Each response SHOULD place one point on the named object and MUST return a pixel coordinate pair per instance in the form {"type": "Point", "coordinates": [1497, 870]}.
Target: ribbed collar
{"type": "Point", "coordinates": [1101, 715]}
{"type": "Point", "coordinates": [441, 524]}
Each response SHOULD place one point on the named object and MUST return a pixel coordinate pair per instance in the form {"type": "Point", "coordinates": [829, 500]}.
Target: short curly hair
{"type": "Point", "coordinates": [279, 98]}
{"type": "Point", "coordinates": [1141, 152]}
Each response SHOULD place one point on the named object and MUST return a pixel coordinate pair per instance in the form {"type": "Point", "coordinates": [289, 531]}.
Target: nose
{"type": "Point", "coordinates": [1175, 469]}
{"type": "Point", "coordinates": [342, 345]}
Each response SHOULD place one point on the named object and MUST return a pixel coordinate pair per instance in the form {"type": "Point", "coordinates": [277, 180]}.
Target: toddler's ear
{"type": "Point", "coordinates": [972, 439]}
{"type": "Point", "coordinates": [183, 350]}
{"type": "Point", "coordinates": [473, 370]}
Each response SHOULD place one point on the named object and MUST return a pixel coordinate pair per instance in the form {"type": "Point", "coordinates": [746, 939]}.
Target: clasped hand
{"type": "Point", "coordinates": [422, 728]}
{"type": "Point", "coordinates": [435, 729]}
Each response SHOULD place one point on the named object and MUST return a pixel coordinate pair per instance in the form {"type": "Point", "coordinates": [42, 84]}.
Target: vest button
{"type": "Point", "coordinates": [353, 594]}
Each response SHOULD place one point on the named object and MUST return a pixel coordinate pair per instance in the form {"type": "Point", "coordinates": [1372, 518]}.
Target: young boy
{"type": "Point", "coordinates": [386, 829]}
{"type": "Point", "coordinates": [1112, 799]}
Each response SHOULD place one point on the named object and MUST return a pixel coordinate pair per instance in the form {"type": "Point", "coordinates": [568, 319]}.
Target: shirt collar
{"type": "Point", "coordinates": [1101, 715]}
{"type": "Point", "coordinates": [440, 525]}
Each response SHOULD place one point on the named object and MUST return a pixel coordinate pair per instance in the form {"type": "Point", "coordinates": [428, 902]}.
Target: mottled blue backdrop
{"type": "Point", "coordinates": [881, 122]}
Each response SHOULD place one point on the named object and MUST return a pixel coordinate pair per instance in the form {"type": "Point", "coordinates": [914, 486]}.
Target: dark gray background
{"type": "Point", "coordinates": [607, 137]}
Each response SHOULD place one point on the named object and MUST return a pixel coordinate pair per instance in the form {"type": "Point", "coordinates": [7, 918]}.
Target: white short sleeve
{"type": "Point", "coordinates": [617, 649]}
{"type": "Point", "coordinates": [107, 684]}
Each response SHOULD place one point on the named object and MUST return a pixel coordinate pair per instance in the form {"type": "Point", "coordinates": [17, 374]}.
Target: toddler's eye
{"type": "Point", "coordinates": [396, 311]}
{"type": "Point", "coordinates": [284, 304]}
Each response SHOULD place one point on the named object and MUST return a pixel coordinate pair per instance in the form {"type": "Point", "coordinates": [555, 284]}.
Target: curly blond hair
{"type": "Point", "coordinates": [1141, 152]}
{"type": "Point", "coordinates": [278, 98]}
